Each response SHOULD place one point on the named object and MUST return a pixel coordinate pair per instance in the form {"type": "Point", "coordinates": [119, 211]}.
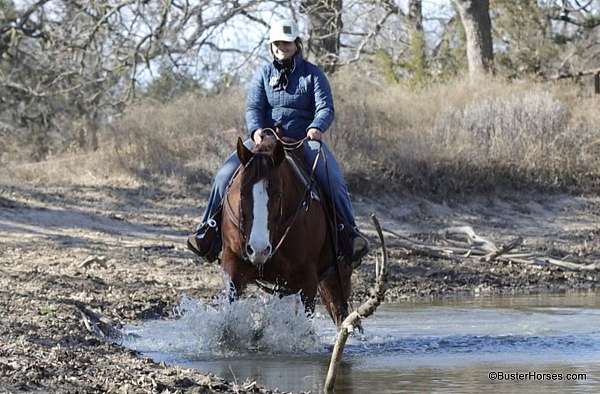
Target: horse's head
{"type": "Point", "coordinates": [260, 182]}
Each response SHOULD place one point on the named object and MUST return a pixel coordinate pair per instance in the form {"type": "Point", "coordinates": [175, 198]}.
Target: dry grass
{"type": "Point", "coordinates": [187, 138]}
{"type": "Point", "coordinates": [446, 139]}
{"type": "Point", "coordinates": [462, 138]}
{"type": "Point", "coordinates": [98, 168]}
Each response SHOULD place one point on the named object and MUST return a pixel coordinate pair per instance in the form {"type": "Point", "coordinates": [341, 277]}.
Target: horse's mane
{"type": "Point", "coordinates": [261, 166]}
{"type": "Point", "coordinates": [266, 146]}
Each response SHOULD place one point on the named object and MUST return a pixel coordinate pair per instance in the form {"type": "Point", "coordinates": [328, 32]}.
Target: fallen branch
{"type": "Point", "coordinates": [472, 246]}
{"type": "Point", "coordinates": [415, 248]}
{"type": "Point", "coordinates": [546, 261]}
{"type": "Point", "coordinates": [412, 248]}
{"type": "Point", "coordinates": [365, 310]}
{"type": "Point", "coordinates": [503, 250]}
{"type": "Point", "coordinates": [575, 74]}
{"type": "Point", "coordinates": [100, 260]}
{"type": "Point", "coordinates": [93, 322]}
{"type": "Point", "coordinates": [473, 239]}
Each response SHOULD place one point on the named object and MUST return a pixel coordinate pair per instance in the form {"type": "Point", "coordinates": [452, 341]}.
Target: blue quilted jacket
{"type": "Point", "coordinates": [305, 103]}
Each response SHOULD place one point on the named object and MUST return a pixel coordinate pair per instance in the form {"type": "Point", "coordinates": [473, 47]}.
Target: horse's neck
{"type": "Point", "coordinates": [299, 168]}
{"type": "Point", "coordinates": [293, 186]}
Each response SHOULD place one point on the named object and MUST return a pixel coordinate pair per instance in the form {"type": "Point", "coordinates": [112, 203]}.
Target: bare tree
{"type": "Point", "coordinates": [67, 66]}
{"type": "Point", "coordinates": [575, 24]}
{"type": "Point", "coordinates": [475, 17]}
{"type": "Point", "coordinates": [550, 39]}
{"type": "Point", "coordinates": [417, 39]}
{"type": "Point", "coordinates": [372, 27]}
{"type": "Point", "coordinates": [580, 13]}
{"type": "Point", "coordinates": [65, 61]}
{"type": "Point", "coordinates": [325, 19]}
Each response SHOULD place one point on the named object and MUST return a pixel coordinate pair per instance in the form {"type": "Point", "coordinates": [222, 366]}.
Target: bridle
{"type": "Point", "coordinates": [303, 204]}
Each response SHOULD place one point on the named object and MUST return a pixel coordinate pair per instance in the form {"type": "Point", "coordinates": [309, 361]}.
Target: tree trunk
{"type": "Point", "coordinates": [415, 18]}
{"type": "Point", "coordinates": [475, 18]}
{"type": "Point", "coordinates": [417, 40]}
{"type": "Point", "coordinates": [325, 27]}
{"type": "Point", "coordinates": [93, 130]}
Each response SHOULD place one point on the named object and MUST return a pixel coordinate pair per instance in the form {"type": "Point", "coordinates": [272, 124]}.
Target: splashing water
{"type": "Point", "coordinates": [263, 324]}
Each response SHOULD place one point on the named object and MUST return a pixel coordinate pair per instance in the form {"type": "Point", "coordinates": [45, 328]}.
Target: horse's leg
{"type": "Point", "coordinates": [308, 295]}
{"type": "Point", "coordinates": [240, 274]}
{"type": "Point", "coordinates": [335, 288]}
{"type": "Point", "coordinates": [307, 280]}
{"type": "Point", "coordinates": [232, 291]}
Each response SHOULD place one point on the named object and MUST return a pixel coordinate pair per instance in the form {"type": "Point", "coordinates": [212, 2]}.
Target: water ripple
{"type": "Point", "coordinates": [477, 344]}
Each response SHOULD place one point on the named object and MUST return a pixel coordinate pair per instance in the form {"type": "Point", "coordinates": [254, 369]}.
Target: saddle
{"type": "Point", "coordinates": [341, 235]}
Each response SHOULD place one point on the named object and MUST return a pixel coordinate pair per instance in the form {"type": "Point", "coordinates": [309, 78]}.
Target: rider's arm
{"type": "Point", "coordinates": [324, 112]}
{"type": "Point", "coordinates": [256, 103]}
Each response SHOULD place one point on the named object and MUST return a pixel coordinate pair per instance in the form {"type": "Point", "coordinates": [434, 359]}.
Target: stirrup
{"type": "Point", "coordinates": [204, 226]}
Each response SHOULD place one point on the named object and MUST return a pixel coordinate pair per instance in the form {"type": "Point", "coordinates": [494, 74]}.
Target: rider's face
{"type": "Point", "coordinates": [283, 49]}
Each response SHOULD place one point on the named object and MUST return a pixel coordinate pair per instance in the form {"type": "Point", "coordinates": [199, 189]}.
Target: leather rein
{"type": "Point", "coordinates": [303, 204]}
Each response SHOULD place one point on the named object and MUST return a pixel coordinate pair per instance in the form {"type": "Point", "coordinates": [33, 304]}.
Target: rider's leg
{"type": "Point", "coordinates": [199, 242]}
{"type": "Point", "coordinates": [329, 174]}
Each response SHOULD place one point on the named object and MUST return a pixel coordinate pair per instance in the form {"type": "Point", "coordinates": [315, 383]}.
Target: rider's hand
{"type": "Point", "coordinates": [257, 136]}
{"type": "Point", "coordinates": [314, 134]}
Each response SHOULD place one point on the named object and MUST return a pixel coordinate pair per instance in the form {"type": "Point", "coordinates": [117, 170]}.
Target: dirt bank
{"type": "Point", "coordinates": [68, 252]}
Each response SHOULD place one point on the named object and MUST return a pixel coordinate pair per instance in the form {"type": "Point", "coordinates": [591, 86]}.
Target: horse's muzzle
{"type": "Point", "coordinates": [260, 256]}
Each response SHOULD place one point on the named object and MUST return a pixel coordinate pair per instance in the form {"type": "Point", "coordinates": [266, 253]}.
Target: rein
{"type": "Point", "coordinates": [288, 146]}
{"type": "Point", "coordinates": [304, 202]}
{"type": "Point", "coordinates": [236, 219]}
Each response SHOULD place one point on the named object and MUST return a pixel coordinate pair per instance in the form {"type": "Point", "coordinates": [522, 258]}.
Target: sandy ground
{"type": "Point", "coordinates": [68, 253]}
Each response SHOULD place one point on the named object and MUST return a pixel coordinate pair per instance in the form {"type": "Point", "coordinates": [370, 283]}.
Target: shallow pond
{"type": "Point", "coordinates": [505, 343]}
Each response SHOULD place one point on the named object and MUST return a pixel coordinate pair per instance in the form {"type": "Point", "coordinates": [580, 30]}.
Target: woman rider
{"type": "Point", "coordinates": [296, 94]}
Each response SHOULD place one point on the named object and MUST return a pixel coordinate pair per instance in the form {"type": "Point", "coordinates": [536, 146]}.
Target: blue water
{"type": "Point", "coordinates": [442, 346]}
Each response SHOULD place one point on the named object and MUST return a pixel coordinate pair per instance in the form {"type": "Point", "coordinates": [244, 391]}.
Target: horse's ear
{"type": "Point", "coordinates": [278, 153]}
{"type": "Point", "coordinates": [244, 154]}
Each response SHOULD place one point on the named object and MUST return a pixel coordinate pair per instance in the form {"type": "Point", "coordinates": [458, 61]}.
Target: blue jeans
{"type": "Point", "coordinates": [325, 166]}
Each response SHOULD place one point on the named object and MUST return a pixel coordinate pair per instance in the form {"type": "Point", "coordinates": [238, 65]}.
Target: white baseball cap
{"type": "Point", "coordinates": [284, 30]}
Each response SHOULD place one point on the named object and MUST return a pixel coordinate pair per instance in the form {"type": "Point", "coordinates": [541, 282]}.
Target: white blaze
{"type": "Point", "coordinates": [259, 234]}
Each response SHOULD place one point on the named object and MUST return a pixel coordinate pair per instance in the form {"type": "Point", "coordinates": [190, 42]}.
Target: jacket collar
{"type": "Point", "coordinates": [298, 60]}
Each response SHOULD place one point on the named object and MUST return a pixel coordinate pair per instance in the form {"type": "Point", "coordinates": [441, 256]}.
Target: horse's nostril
{"type": "Point", "coordinates": [249, 250]}
{"type": "Point", "coordinates": [268, 250]}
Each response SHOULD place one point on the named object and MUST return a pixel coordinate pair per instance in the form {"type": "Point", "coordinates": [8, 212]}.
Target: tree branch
{"type": "Point", "coordinates": [365, 310]}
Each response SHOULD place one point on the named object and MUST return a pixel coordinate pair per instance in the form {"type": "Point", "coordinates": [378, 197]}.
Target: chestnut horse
{"type": "Point", "coordinates": [274, 230]}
